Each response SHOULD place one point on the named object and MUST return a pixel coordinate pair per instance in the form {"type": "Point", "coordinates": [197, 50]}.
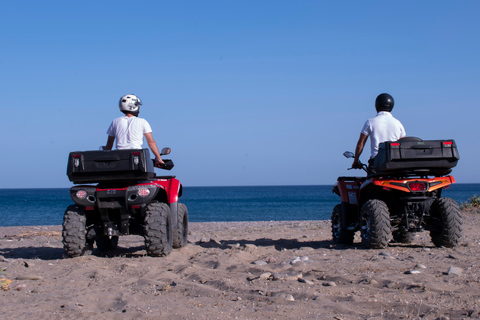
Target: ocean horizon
{"type": "Point", "coordinates": [46, 206]}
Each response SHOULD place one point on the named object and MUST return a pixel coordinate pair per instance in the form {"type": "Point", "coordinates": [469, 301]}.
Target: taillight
{"type": "Point", "coordinates": [76, 160]}
{"type": "Point", "coordinates": [395, 144]}
{"type": "Point", "coordinates": [136, 158]}
{"type": "Point", "coordinates": [143, 192]}
{"type": "Point", "coordinates": [448, 143]}
{"type": "Point", "coordinates": [417, 186]}
{"type": "Point", "coordinates": [81, 194]}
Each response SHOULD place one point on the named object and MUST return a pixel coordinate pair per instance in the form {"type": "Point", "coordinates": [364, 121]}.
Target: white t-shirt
{"type": "Point", "coordinates": [128, 132]}
{"type": "Point", "coordinates": [384, 127]}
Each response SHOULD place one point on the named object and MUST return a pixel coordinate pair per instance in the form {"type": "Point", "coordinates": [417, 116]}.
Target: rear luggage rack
{"type": "Point", "coordinates": [106, 165]}
{"type": "Point", "coordinates": [416, 157]}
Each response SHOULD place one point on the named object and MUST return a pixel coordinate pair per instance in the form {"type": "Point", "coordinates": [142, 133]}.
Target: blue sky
{"type": "Point", "coordinates": [244, 92]}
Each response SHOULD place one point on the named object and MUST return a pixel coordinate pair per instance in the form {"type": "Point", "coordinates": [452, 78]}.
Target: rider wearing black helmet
{"type": "Point", "coordinates": [383, 127]}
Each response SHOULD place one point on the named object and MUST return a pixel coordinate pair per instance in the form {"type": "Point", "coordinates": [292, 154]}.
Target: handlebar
{"type": "Point", "coordinates": [168, 164]}
{"type": "Point", "coordinates": [360, 166]}
{"type": "Point", "coordinates": [348, 154]}
{"type": "Point", "coordinates": [363, 166]}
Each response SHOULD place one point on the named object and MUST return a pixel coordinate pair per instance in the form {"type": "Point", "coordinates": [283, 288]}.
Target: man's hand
{"type": "Point", "coordinates": [357, 165]}
{"type": "Point", "coordinates": [159, 163]}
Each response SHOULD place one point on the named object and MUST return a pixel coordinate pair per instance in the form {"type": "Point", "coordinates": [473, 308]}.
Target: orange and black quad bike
{"type": "Point", "coordinates": [403, 196]}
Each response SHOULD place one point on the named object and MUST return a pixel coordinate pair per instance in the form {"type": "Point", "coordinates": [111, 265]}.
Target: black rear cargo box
{"type": "Point", "coordinates": [116, 165]}
{"type": "Point", "coordinates": [410, 155]}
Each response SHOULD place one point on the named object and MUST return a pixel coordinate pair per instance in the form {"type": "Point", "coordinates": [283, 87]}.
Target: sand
{"type": "Point", "coordinates": [254, 270]}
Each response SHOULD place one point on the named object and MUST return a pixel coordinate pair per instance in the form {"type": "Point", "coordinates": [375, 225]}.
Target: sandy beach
{"type": "Point", "coordinates": [241, 270]}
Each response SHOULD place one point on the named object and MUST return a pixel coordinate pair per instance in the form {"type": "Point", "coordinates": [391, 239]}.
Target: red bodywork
{"type": "Point", "coordinates": [349, 190]}
{"type": "Point", "coordinates": [172, 188]}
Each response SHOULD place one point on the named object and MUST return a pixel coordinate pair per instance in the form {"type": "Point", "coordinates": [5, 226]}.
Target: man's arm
{"type": "Point", "coordinates": [359, 149]}
{"type": "Point", "coordinates": [153, 146]}
{"type": "Point", "coordinates": [109, 145]}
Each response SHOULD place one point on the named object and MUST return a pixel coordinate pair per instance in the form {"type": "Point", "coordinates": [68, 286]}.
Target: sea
{"type": "Point", "coordinates": [30, 207]}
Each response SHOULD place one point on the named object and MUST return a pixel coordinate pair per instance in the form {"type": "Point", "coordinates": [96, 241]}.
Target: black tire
{"type": "Point", "coordinates": [446, 229]}
{"type": "Point", "coordinates": [180, 236]}
{"type": "Point", "coordinates": [158, 229]}
{"type": "Point", "coordinates": [74, 231]}
{"type": "Point", "coordinates": [104, 243]}
{"type": "Point", "coordinates": [339, 232]}
{"type": "Point", "coordinates": [375, 224]}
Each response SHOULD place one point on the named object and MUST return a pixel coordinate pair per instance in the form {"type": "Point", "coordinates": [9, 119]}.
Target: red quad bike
{"type": "Point", "coordinates": [126, 198]}
{"type": "Point", "coordinates": [403, 197]}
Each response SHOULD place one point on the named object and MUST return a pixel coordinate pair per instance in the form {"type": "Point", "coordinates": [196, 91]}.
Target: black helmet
{"type": "Point", "coordinates": [384, 102]}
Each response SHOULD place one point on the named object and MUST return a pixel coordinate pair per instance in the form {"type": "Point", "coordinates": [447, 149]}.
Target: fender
{"type": "Point", "coordinates": [348, 189]}
{"type": "Point", "coordinates": [173, 188]}
{"type": "Point", "coordinates": [412, 185]}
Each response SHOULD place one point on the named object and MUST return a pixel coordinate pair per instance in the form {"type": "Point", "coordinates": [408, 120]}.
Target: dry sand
{"type": "Point", "coordinates": [260, 270]}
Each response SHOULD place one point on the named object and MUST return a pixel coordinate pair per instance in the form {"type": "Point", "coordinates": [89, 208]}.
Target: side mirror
{"type": "Point", "coordinates": [348, 154]}
{"type": "Point", "coordinates": [165, 151]}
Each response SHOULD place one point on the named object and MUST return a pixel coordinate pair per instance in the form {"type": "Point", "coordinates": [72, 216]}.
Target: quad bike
{"type": "Point", "coordinates": [128, 198]}
{"type": "Point", "coordinates": [396, 203]}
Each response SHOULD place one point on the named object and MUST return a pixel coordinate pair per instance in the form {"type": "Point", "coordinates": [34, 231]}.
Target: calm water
{"type": "Point", "coordinates": [260, 203]}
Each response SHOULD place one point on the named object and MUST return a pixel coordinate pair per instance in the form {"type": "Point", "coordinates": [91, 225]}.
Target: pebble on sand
{"type": "Point", "coordinates": [329, 284]}
{"type": "Point", "coordinates": [454, 271]}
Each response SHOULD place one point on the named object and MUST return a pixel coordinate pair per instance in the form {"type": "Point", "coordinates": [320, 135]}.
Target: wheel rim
{"type": "Point", "coordinates": [336, 225]}
{"type": "Point", "coordinates": [366, 227]}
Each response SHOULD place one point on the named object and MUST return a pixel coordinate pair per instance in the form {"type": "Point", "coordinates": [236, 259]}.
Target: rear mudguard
{"type": "Point", "coordinates": [173, 188]}
{"type": "Point", "coordinates": [405, 184]}
{"type": "Point", "coordinates": [348, 189]}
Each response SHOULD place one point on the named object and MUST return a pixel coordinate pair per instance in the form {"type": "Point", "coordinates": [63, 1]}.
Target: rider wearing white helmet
{"type": "Point", "coordinates": [130, 103]}
{"type": "Point", "coordinates": [129, 130]}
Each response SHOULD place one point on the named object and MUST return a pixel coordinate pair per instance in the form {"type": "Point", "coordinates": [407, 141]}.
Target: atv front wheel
{"type": "Point", "coordinates": [375, 224]}
{"type": "Point", "coordinates": [446, 229]}
{"type": "Point", "coordinates": [339, 232]}
{"type": "Point", "coordinates": [180, 237]}
{"type": "Point", "coordinates": [158, 229]}
{"type": "Point", "coordinates": [74, 231]}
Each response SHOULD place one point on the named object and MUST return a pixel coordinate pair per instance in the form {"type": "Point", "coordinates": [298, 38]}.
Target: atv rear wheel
{"type": "Point", "coordinates": [339, 232]}
{"type": "Point", "coordinates": [375, 224]}
{"type": "Point", "coordinates": [74, 231]}
{"type": "Point", "coordinates": [180, 236]}
{"type": "Point", "coordinates": [447, 223]}
{"type": "Point", "coordinates": [104, 243]}
{"type": "Point", "coordinates": [158, 229]}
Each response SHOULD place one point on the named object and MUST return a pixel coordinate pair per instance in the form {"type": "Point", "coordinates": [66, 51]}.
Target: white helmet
{"type": "Point", "coordinates": [130, 103]}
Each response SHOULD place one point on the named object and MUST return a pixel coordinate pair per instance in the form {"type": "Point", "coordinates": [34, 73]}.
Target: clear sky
{"type": "Point", "coordinates": [244, 92]}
